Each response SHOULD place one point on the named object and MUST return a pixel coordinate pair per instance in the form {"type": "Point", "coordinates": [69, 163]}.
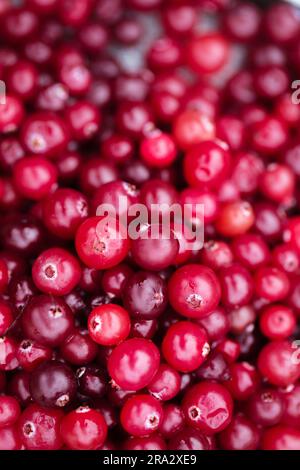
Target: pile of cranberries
{"type": "Point", "coordinates": [112, 343]}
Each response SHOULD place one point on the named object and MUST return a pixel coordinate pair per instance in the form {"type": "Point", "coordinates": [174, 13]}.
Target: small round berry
{"type": "Point", "coordinates": [109, 324]}
{"type": "Point", "coordinates": [83, 429]}
{"type": "Point", "coordinates": [141, 415]}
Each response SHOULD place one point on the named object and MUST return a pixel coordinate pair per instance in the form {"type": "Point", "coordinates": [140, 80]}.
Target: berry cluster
{"type": "Point", "coordinates": [112, 343]}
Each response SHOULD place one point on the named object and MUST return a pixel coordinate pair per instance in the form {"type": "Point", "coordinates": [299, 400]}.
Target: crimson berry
{"type": "Point", "coordinates": [56, 271]}
{"type": "Point", "coordinates": [189, 439]}
{"type": "Point", "coordinates": [10, 438]}
{"type": "Point", "coordinates": [237, 285]}
{"type": "Point", "coordinates": [63, 212]}
{"type": "Point", "coordinates": [164, 53]}
{"type": "Point", "coordinates": [173, 420]}
{"type": "Point", "coordinates": [158, 150]}
{"type": "Point", "coordinates": [165, 384]}
{"type": "Point", "coordinates": [11, 114]}
{"type": "Point", "coordinates": [290, 406]}
{"type": "Point", "coordinates": [114, 279]}
{"type": "Point", "coordinates": [179, 19]}
{"type": "Point", "coordinates": [92, 381]}
{"type": "Point", "coordinates": [235, 218]}
{"type": "Point", "coordinates": [216, 324]}
{"type": "Point", "coordinates": [133, 363]}
{"type": "Point", "coordinates": [271, 284]}
{"type": "Point", "coordinates": [191, 128]}
{"type": "Point", "coordinates": [101, 243]}
{"type": "Point", "coordinates": [47, 320]}
{"type": "Point", "coordinates": [208, 407]}
{"type": "Point", "coordinates": [34, 177]}
{"type": "Point", "coordinates": [79, 348]}
{"type": "Point", "coordinates": [277, 322]}
{"type": "Point", "coordinates": [208, 53]}
{"type": "Point", "coordinates": [145, 295]}
{"type": "Point", "coordinates": [278, 183]}
{"type": "Point", "coordinates": [30, 354]}
{"type": "Point", "coordinates": [269, 135]}
{"type": "Point", "coordinates": [39, 428]}
{"type": "Point", "coordinates": [141, 415]}
{"type": "Point", "coordinates": [83, 429]}
{"type": "Point", "coordinates": [185, 346]}
{"type": "Point", "coordinates": [153, 442]}
{"type": "Point", "coordinates": [84, 120]}
{"type": "Point", "coordinates": [6, 317]}
{"type": "Point", "coordinates": [242, 22]}
{"type": "Point", "coordinates": [194, 291]}
{"type": "Point", "coordinates": [206, 164]}
{"type": "Point", "coordinates": [109, 324]}
{"type": "Point", "coordinates": [8, 354]}
{"type": "Point", "coordinates": [243, 380]}
{"type": "Point", "coordinates": [266, 407]}
{"type": "Point", "coordinates": [9, 410]}
{"type": "Point", "coordinates": [277, 362]}
{"type": "Point", "coordinates": [118, 149]}
{"type": "Point", "coordinates": [95, 173]}
{"type": "Point", "coordinates": [281, 438]}
{"type": "Point", "coordinates": [281, 23]}
{"type": "Point", "coordinates": [240, 434]}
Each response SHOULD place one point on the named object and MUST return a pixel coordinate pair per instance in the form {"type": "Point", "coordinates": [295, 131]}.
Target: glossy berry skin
{"type": "Point", "coordinates": [281, 438]}
{"type": "Point", "coordinates": [9, 411]}
{"type": "Point", "coordinates": [83, 119]}
{"type": "Point", "coordinates": [208, 53]}
{"type": "Point", "coordinates": [237, 285]}
{"type": "Point", "coordinates": [79, 348]}
{"type": "Point", "coordinates": [35, 177]}
{"type": "Point", "coordinates": [10, 439]}
{"type": "Point", "coordinates": [277, 322]}
{"type": "Point", "coordinates": [194, 291]}
{"type": "Point", "coordinates": [99, 244]}
{"type": "Point", "coordinates": [290, 404]}
{"type": "Point", "coordinates": [47, 320]}
{"type": "Point", "coordinates": [235, 218]}
{"type": "Point", "coordinates": [114, 280]}
{"type": "Point", "coordinates": [165, 384]}
{"type": "Point", "coordinates": [141, 415]}
{"type": "Point", "coordinates": [64, 211]}
{"type": "Point", "coordinates": [185, 346]}
{"type": "Point", "coordinates": [145, 295]}
{"type": "Point", "coordinates": [158, 151]}
{"type": "Point", "coordinates": [266, 407]}
{"type": "Point", "coordinates": [11, 114]}
{"type": "Point", "coordinates": [53, 385]}
{"type": "Point", "coordinates": [84, 429]}
{"type": "Point", "coordinates": [207, 164]}
{"type": "Point", "coordinates": [241, 434]}
{"type": "Point", "coordinates": [133, 363]}
{"type": "Point", "coordinates": [271, 284]}
{"type": "Point", "coordinates": [109, 324]}
{"type": "Point", "coordinates": [44, 135]}
{"type": "Point", "coordinates": [153, 240]}
{"type": "Point", "coordinates": [276, 363]}
{"type": "Point", "coordinates": [251, 250]}
{"type": "Point", "coordinates": [152, 442]}
{"type": "Point", "coordinates": [92, 381]}
{"type": "Point", "coordinates": [189, 439]}
{"type": "Point", "coordinates": [243, 381]}
{"type": "Point", "coordinates": [56, 271]}
{"type": "Point", "coordinates": [208, 407]}
{"type": "Point", "coordinates": [173, 420]}
{"type": "Point", "coordinates": [191, 127]}
{"type": "Point", "coordinates": [30, 354]}
{"type": "Point", "coordinates": [39, 428]}
{"type": "Point", "coordinates": [216, 324]}
{"type": "Point", "coordinates": [8, 354]}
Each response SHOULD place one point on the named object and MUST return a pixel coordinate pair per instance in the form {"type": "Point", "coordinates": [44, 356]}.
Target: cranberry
{"type": "Point", "coordinates": [191, 127]}
{"type": "Point", "coordinates": [95, 173]}
{"type": "Point", "coordinates": [281, 23]}
{"type": "Point", "coordinates": [132, 118]}
{"type": "Point", "coordinates": [47, 320]}
{"type": "Point", "coordinates": [44, 134]}
{"type": "Point", "coordinates": [290, 406]}
{"type": "Point", "coordinates": [114, 280]}
{"type": "Point", "coordinates": [208, 53]}
{"type": "Point", "coordinates": [286, 257]}
{"type": "Point", "coordinates": [158, 150]}
{"type": "Point", "coordinates": [173, 420]}
{"type": "Point", "coordinates": [128, 31]}
{"type": "Point", "coordinates": [235, 218]}
{"type": "Point", "coordinates": [243, 380]}
{"type": "Point", "coordinates": [8, 354]}
{"type": "Point", "coordinates": [84, 120]}
{"type": "Point", "coordinates": [214, 368]}
{"type": "Point", "coordinates": [271, 284]}
{"type": "Point", "coordinates": [251, 250]}
{"type": "Point", "coordinates": [53, 384]}
{"type": "Point", "coordinates": [266, 407]}
{"type": "Point", "coordinates": [133, 363]}
{"type": "Point", "coordinates": [194, 291]}
{"type": "Point", "coordinates": [22, 80]}
{"type": "Point", "coordinates": [3, 276]}
{"type": "Point", "coordinates": [277, 322]}
{"type": "Point", "coordinates": [6, 317]}
{"type": "Point", "coordinates": [143, 328]}
{"type": "Point", "coordinates": [56, 271]}
{"type": "Point", "coordinates": [208, 407]}
{"type": "Point", "coordinates": [92, 381]}
{"type": "Point", "coordinates": [99, 243]}
{"type": "Point", "coordinates": [10, 439]}
{"type": "Point", "coordinates": [34, 177]}
{"type": "Point", "coordinates": [141, 415]}
{"type": "Point", "coordinates": [179, 19]}
{"type": "Point", "coordinates": [241, 434]}
{"type": "Point", "coordinates": [39, 428]}
{"type": "Point", "coordinates": [145, 295]}
{"type": "Point", "coordinates": [11, 114]}
{"type": "Point", "coordinates": [165, 384]}
{"type": "Point", "coordinates": [185, 346]}
{"type": "Point", "coordinates": [9, 411]}
{"type": "Point", "coordinates": [93, 37]}
{"type": "Point", "coordinates": [109, 324]}
{"type": "Point", "coordinates": [237, 285]}
{"type": "Point", "coordinates": [216, 324]}
{"type": "Point", "coordinates": [269, 135]}
{"type": "Point", "coordinates": [118, 148]}
{"type": "Point", "coordinates": [277, 183]}
{"type": "Point", "coordinates": [79, 348]}
{"type": "Point", "coordinates": [242, 22]}
{"type": "Point", "coordinates": [281, 438]}
{"type": "Point", "coordinates": [18, 387]}
{"type": "Point", "coordinates": [164, 53]}
{"type": "Point", "coordinates": [30, 354]}
{"type": "Point", "coordinates": [277, 364]}
{"type": "Point", "coordinates": [84, 429]}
